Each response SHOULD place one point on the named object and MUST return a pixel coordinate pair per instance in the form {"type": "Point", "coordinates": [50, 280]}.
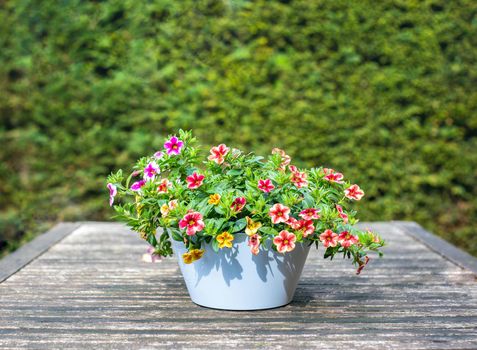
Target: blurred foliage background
{"type": "Point", "coordinates": [384, 91]}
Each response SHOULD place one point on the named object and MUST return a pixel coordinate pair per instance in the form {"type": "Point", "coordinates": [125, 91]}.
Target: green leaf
{"type": "Point", "coordinates": [239, 225]}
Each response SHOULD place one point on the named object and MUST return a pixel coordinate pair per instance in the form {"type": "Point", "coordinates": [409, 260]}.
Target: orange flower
{"type": "Point", "coordinates": [214, 199]}
{"type": "Point", "coordinates": [225, 240]}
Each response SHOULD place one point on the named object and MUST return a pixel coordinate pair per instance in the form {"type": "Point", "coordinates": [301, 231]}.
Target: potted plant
{"type": "Point", "coordinates": [241, 225]}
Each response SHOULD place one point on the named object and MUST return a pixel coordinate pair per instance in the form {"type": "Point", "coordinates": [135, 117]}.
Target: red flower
{"type": "Point", "coordinates": [309, 214]}
{"type": "Point", "coordinates": [285, 241]}
{"type": "Point", "coordinates": [217, 154]}
{"type": "Point", "coordinates": [334, 177]}
{"type": "Point", "coordinates": [194, 181]}
{"type": "Point", "coordinates": [265, 185]}
{"type": "Point", "coordinates": [238, 204]}
{"type": "Point", "coordinates": [346, 239]}
{"type": "Point", "coordinates": [193, 222]}
{"type": "Point", "coordinates": [329, 239]}
{"type": "Point", "coordinates": [362, 265]}
{"type": "Point", "coordinates": [299, 179]}
{"type": "Point", "coordinates": [279, 213]}
{"type": "Point", "coordinates": [306, 226]}
{"type": "Point", "coordinates": [163, 186]}
{"type": "Point", "coordinates": [354, 192]}
{"type": "Point", "coordinates": [342, 214]}
{"type": "Point", "coordinates": [254, 243]}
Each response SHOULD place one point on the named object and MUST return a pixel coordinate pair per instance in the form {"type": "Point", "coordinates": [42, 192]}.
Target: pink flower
{"type": "Point", "coordinates": [138, 185]}
{"type": "Point", "coordinates": [342, 214]}
{"type": "Point", "coordinates": [195, 180]}
{"type": "Point", "coordinates": [150, 256]}
{"type": "Point", "coordinates": [354, 192]}
{"type": "Point", "coordinates": [328, 171]}
{"type": "Point", "coordinates": [309, 214]}
{"type": "Point", "coordinates": [329, 239]}
{"type": "Point", "coordinates": [299, 179]}
{"type": "Point", "coordinates": [292, 222]}
{"type": "Point", "coordinates": [158, 155]}
{"type": "Point", "coordinates": [306, 226]}
{"type": "Point", "coordinates": [151, 170]}
{"type": "Point", "coordinates": [265, 185]}
{"type": "Point", "coordinates": [112, 193]}
{"type": "Point", "coordinates": [163, 186]}
{"type": "Point", "coordinates": [193, 222]}
{"type": "Point", "coordinates": [293, 169]}
{"type": "Point", "coordinates": [286, 159]}
{"type": "Point", "coordinates": [346, 239]}
{"type": "Point", "coordinates": [362, 264]}
{"type": "Point", "coordinates": [334, 177]}
{"type": "Point", "coordinates": [254, 243]}
{"type": "Point", "coordinates": [279, 213]}
{"type": "Point", "coordinates": [285, 241]}
{"type": "Point", "coordinates": [173, 204]}
{"type": "Point", "coordinates": [238, 204]}
{"type": "Point", "coordinates": [218, 153]}
{"type": "Point", "coordinates": [173, 146]}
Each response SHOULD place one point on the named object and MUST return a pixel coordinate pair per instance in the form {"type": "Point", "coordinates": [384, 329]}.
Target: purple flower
{"type": "Point", "coordinates": [112, 192]}
{"type": "Point", "coordinates": [137, 185]}
{"type": "Point", "coordinates": [173, 146]}
{"type": "Point", "coordinates": [158, 155]}
{"type": "Point", "coordinates": [151, 170]}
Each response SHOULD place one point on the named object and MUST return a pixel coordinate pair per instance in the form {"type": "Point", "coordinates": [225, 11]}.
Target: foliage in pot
{"type": "Point", "coordinates": [207, 202]}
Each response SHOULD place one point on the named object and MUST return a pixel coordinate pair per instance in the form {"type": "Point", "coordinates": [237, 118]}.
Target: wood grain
{"type": "Point", "coordinates": [91, 290]}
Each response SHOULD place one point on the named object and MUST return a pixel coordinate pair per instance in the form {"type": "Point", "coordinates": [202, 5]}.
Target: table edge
{"type": "Point", "coordinates": [18, 259]}
{"type": "Point", "coordinates": [440, 246]}
{"type": "Point", "coordinates": [15, 261]}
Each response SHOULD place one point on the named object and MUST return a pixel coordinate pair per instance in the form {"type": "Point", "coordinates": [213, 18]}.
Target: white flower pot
{"type": "Point", "coordinates": [235, 279]}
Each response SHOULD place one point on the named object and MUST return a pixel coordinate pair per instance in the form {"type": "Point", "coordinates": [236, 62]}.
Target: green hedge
{"type": "Point", "coordinates": [385, 92]}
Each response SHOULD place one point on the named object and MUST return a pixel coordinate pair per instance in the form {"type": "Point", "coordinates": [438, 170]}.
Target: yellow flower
{"type": "Point", "coordinates": [252, 227]}
{"type": "Point", "coordinates": [165, 210]}
{"type": "Point", "coordinates": [139, 206]}
{"type": "Point", "coordinates": [187, 257]}
{"type": "Point", "coordinates": [196, 254]}
{"type": "Point", "coordinates": [214, 199]}
{"type": "Point", "coordinates": [225, 240]}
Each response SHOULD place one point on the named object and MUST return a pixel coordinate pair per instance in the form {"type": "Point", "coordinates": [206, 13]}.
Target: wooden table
{"type": "Point", "coordinates": [84, 285]}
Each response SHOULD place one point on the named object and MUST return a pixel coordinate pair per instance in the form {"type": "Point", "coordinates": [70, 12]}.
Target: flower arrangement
{"type": "Point", "coordinates": [273, 202]}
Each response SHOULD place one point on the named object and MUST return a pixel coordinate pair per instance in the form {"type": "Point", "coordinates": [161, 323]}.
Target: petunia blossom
{"type": "Point", "coordinates": [286, 159]}
{"type": "Point", "coordinates": [192, 222]}
{"type": "Point", "coordinates": [214, 199]}
{"type": "Point", "coordinates": [346, 239]}
{"type": "Point", "coordinates": [254, 243]}
{"type": "Point", "coordinates": [164, 186]}
{"type": "Point", "coordinates": [306, 226]}
{"type": "Point", "coordinates": [150, 256]}
{"type": "Point", "coordinates": [195, 180]}
{"type": "Point", "coordinates": [309, 214]}
{"type": "Point", "coordinates": [138, 185]}
{"type": "Point", "coordinates": [265, 185]}
{"type": "Point", "coordinates": [285, 241]}
{"type": "Point", "coordinates": [329, 239]}
{"type": "Point", "coordinates": [238, 204]}
{"type": "Point", "coordinates": [299, 179]}
{"type": "Point", "coordinates": [151, 170]}
{"type": "Point", "coordinates": [341, 213]}
{"type": "Point", "coordinates": [173, 146]}
{"type": "Point", "coordinates": [252, 226]}
{"type": "Point", "coordinates": [158, 154]}
{"type": "Point", "coordinates": [218, 153]}
{"type": "Point", "coordinates": [225, 240]}
{"type": "Point", "coordinates": [334, 177]}
{"type": "Point", "coordinates": [113, 191]}
{"type": "Point", "coordinates": [279, 213]}
{"type": "Point", "coordinates": [354, 192]}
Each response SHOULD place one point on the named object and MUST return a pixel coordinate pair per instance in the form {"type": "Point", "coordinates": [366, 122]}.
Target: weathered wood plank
{"type": "Point", "coordinates": [92, 290]}
{"type": "Point", "coordinates": [25, 254]}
